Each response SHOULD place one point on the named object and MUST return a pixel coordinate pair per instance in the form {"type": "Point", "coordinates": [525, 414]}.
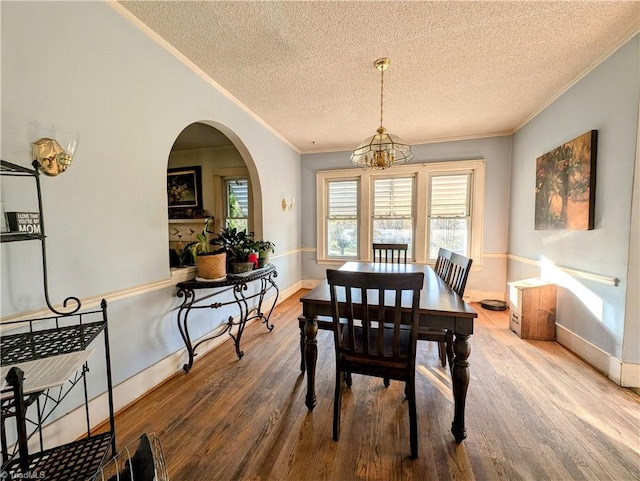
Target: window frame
{"type": "Point", "coordinates": [220, 176]}
{"type": "Point", "coordinates": [422, 194]}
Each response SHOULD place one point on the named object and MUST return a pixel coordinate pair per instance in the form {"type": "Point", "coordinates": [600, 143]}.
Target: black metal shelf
{"type": "Point", "coordinates": [67, 330]}
{"type": "Point", "coordinates": [76, 461]}
{"type": "Point", "coordinates": [28, 346]}
{"type": "Point", "coordinates": [19, 236]}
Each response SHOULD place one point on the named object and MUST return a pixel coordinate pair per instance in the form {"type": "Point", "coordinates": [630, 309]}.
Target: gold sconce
{"type": "Point", "coordinates": [50, 157]}
{"type": "Point", "coordinates": [288, 206]}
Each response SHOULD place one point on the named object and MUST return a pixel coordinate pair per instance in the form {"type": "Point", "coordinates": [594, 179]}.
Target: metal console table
{"type": "Point", "coordinates": [239, 285]}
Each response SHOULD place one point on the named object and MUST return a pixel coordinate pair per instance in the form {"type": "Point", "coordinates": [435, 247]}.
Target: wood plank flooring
{"type": "Point", "coordinates": [534, 412]}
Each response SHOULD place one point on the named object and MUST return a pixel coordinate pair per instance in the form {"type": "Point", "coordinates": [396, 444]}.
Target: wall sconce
{"type": "Point", "coordinates": [288, 206]}
{"type": "Point", "coordinates": [50, 158]}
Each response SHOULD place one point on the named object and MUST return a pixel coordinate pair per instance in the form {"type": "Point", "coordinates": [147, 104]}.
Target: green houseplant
{"type": "Point", "coordinates": [211, 265]}
{"type": "Point", "coordinates": [264, 248]}
{"type": "Point", "coordinates": [239, 245]}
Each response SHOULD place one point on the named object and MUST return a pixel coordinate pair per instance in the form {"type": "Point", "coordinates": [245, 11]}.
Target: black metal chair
{"type": "Point", "coordinates": [390, 253]}
{"type": "Point", "coordinates": [372, 338]}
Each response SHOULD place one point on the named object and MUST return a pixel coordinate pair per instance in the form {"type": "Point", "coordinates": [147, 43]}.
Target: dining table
{"type": "Point", "coordinates": [440, 308]}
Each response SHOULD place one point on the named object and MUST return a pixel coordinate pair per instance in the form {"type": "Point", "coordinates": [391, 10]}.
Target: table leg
{"type": "Point", "coordinates": [460, 381]}
{"type": "Point", "coordinates": [310, 357]}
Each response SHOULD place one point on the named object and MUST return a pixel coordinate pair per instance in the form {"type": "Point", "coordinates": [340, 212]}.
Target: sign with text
{"type": "Point", "coordinates": [25, 222]}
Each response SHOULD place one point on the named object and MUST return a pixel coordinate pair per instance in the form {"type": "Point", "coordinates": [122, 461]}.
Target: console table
{"type": "Point", "coordinates": [238, 283]}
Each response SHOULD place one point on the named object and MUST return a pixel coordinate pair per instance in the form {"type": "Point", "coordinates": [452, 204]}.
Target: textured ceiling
{"type": "Point", "coordinates": [458, 69]}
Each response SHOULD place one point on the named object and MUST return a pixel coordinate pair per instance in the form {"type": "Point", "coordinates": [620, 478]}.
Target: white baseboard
{"type": "Point", "coordinates": [623, 374]}
{"type": "Point", "coordinates": [72, 425]}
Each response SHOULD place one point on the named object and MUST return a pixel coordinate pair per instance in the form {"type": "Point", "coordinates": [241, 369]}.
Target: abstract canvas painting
{"type": "Point", "coordinates": [565, 185]}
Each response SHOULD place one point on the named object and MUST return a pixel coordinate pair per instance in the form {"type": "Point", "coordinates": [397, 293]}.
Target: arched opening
{"type": "Point", "coordinates": [208, 176]}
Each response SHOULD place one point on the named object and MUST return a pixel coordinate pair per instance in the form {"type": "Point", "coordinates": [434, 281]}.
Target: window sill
{"type": "Point", "coordinates": [181, 274]}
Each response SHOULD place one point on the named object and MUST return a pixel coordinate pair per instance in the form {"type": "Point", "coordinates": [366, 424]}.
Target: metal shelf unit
{"type": "Point", "coordinates": [41, 338]}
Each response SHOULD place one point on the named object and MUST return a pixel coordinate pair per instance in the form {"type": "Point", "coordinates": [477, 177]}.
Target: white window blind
{"type": "Point", "coordinates": [393, 197]}
{"type": "Point", "coordinates": [449, 213]}
{"type": "Point", "coordinates": [450, 195]}
{"type": "Point", "coordinates": [342, 218]}
{"type": "Point", "coordinates": [392, 221]}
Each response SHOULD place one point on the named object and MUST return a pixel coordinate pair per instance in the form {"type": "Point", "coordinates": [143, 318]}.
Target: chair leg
{"type": "Point", "coordinates": [386, 382]}
{"type": "Point", "coordinates": [337, 401]}
{"type": "Point", "coordinates": [348, 380]}
{"type": "Point", "coordinates": [410, 389]}
{"type": "Point", "coordinates": [442, 352]}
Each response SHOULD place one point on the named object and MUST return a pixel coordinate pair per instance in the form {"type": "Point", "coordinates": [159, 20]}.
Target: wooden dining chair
{"type": "Point", "coordinates": [390, 253]}
{"type": "Point", "coordinates": [443, 263]}
{"type": "Point", "coordinates": [442, 266]}
{"type": "Point", "coordinates": [457, 272]}
{"type": "Point", "coordinates": [375, 338]}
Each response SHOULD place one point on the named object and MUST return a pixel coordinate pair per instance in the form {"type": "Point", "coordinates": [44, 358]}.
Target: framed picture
{"type": "Point", "coordinates": [184, 188]}
{"type": "Point", "coordinates": [566, 185]}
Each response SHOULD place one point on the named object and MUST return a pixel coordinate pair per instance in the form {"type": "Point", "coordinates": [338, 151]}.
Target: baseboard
{"type": "Point", "coordinates": [623, 374]}
{"type": "Point", "coordinates": [72, 425]}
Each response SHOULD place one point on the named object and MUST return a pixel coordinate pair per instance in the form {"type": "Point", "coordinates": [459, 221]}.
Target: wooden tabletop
{"type": "Point", "coordinates": [438, 302]}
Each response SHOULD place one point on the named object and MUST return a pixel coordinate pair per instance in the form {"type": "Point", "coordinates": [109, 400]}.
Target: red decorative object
{"type": "Point", "coordinates": [253, 257]}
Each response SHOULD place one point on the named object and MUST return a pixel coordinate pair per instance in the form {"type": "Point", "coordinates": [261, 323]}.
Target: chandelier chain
{"type": "Point", "coordinates": [381, 93]}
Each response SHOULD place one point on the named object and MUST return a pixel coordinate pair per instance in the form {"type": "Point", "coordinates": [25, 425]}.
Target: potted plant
{"type": "Point", "coordinates": [264, 248]}
{"type": "Point", "coordinates": [211, 265]}
{"type": "Point", "coordinates": [239, 245]}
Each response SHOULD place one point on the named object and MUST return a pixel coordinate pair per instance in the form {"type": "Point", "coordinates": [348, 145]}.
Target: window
{"type": "Point", "coordinates": [449, 213]}
{"type": "Point", "coordinates": [233, 200]}
{"type": "Point", "coordinates": [342, 218]}
{"type": "Point", "coordinates": [427, 206]}
{"type": "Point", "coordinates": [392, 219]}
{"type": "Point", "coordinates": [237, 203]}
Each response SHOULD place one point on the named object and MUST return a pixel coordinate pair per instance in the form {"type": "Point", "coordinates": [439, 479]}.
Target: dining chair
{"type": "Point", "coordinates": [456, 278]}
{"type": "Point", "coordinates": [443, 263]}
{"type": "Point", "coordinates": [442, 266]}
{"type": "Point", "coordinates": [390, 253]}
{"type": "Point", "coordinates": [373, 337]}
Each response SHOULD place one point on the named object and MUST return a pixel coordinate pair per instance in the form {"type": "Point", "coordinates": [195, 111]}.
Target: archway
{"type": "Point", "coordinates": [207, 162]}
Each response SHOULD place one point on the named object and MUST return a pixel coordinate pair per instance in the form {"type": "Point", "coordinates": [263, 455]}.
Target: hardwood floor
{"type": "Point", "coordinates": [534, 412]}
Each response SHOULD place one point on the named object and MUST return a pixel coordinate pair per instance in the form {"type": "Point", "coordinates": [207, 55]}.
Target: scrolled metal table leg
{"type": "Point", "coordinates": [183, 314]}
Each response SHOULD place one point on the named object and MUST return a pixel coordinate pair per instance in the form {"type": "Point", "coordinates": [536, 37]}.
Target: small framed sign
{"type": "Point", "coordinates": [24, 222]}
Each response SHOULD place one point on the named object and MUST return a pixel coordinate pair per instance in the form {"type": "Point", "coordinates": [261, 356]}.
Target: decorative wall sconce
{"type": "Point", "coordinates": [50, 158]}
{"type": "Point", "coordinates": [288, 206]}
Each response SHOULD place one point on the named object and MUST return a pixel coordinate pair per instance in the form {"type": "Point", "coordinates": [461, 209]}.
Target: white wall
{"type": "Point", "coordinates": [590, 312]}
{"type": "Point", "coordinates": [490, 280]}
{"type": "Point", "coordinates": [82, 64]}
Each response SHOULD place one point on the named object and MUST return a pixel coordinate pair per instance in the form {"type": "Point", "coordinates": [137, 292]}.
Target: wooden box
{"type": "Point", "coordinates": [533, 309]}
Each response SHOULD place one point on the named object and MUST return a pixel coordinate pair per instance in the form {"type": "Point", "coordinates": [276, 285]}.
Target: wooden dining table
{"type": "Point", "coordinates": [440, 308]}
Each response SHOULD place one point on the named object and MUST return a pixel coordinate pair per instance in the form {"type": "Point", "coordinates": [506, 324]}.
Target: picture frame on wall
{"type": "Point", "coordinates": [566, 185]}
{"type": "Point", "coordinates": [184, 188]}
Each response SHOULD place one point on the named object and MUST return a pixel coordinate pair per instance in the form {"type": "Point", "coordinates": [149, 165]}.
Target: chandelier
{"type": "Point", "coordinates": [381, 150]}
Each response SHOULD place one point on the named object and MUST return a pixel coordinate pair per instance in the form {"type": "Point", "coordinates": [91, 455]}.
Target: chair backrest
{"type": "Point", "coordinates": [443, 263]}
{"type": "Point", "coordinates": [362, 303]}
{"type": "Point", "coordinates": [458, 273]}
{"type": "Point", "coordinates": [390, 253]}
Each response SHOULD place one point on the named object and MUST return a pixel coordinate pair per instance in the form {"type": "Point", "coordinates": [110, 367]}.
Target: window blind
{"type": "Point", "coordinates": [450, 195]}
